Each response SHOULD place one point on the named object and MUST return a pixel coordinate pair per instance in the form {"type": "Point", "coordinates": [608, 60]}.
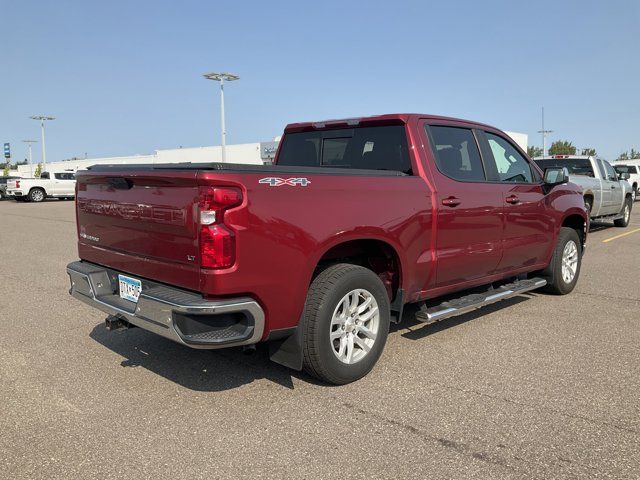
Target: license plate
{"type": "Point", "coordinates": [130, 288]}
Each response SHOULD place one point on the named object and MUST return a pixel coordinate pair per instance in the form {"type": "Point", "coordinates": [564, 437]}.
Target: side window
{"type": "Point", "coordinates": [603, 172]}
{"type": "Point", "coordinates": [511, 166]}
{"type": "Point", "coordinates": [456, 153]}
{"type": "Point", "coordinates": [611, 173]}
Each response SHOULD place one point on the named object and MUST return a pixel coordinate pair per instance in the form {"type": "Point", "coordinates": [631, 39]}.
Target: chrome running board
{"type": "Point", "coordinates": [473, 301]}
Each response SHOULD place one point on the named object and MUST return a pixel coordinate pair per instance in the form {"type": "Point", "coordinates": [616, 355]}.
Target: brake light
{"type": "Point", "coordinates": [217, 241]}
{"type": "Point", "coordinates": [17, 183]}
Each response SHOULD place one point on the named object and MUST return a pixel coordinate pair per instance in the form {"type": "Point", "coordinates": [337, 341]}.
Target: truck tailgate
{"type": "Point", "coordinates": [141, 223]}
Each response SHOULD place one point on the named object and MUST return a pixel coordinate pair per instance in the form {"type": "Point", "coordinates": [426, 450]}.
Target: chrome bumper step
{"type": "Point", "coordinates": [473, 301]}
{"type": "Point", "coordinates": [179, 315]}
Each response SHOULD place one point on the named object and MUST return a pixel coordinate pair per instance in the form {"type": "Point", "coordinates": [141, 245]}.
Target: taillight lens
{"type": "Point", "coordinates": [217, 246]}
{"type": "Point", "coordinates": [217, 241]}
{"type": "Point", "coordinates": [17, 183]}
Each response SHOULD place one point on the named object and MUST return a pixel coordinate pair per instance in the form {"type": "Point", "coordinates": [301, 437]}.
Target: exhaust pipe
{"type": "Point", "coordinates": [249, 349]}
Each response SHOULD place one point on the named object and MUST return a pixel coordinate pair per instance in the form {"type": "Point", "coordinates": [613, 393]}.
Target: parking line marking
{"type": "Point", "coordinates": [621, 235]}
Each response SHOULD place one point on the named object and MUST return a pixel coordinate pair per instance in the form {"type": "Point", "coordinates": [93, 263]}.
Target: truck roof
{"type": "Point", "coordinates": [386, 119]}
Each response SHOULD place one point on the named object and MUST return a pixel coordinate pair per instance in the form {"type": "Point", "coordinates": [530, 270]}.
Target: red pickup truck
{"type": "Point", "coordinates": [319, 252]}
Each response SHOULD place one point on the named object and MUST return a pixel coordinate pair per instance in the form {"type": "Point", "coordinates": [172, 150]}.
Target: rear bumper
{"type": "Point", "coordinates": [179, 315]}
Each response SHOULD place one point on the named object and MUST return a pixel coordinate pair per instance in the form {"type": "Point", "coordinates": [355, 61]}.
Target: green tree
{"type": "Point", "coordinates": [38, 171]}
{"type": "Point", "coordinates": [631, 155]}
{"type": "Point", "coordinates": [589, 151]}
{"type": "Point", "coordinates": [534, 151]}
{"type": "Point", "coordinates": [5, 171]}
{"type": "Point", "coordinates": [562, 147]}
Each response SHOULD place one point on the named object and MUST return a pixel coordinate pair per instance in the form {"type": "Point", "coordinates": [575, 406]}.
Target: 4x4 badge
{"type": "Point", "coordinates": [278, 182]}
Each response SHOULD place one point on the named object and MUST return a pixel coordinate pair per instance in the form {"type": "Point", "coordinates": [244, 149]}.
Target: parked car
{"type": "Point", "coordinates": [634, 177]}
{"type": "Point", "coordinates": [3, 185]}
{"type": "Point", "coordinates": [62, 185]}
{"type": "Point", "coordinates": [607, 194]}
{"type": "Point", "coordinates": [319, 252]}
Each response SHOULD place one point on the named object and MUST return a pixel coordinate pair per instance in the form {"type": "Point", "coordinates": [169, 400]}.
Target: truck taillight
{"type": "Point", "coordinates": [17, 183]}
{"type": "Point", "coordinates": [217, 241]}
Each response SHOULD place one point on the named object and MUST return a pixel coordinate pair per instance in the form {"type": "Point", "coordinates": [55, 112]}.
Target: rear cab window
{"type": "Point", "coordinates": [369, 148]}
{"type": "Point", "coordinates": [64, 176]}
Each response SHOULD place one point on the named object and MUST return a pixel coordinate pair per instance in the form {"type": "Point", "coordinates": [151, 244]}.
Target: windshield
{"type": "Point", "coordinates": [576, 166]}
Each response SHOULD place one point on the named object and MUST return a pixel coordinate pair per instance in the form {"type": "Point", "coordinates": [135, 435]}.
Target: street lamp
{"type": "Point", "coordinates": [43, 118]}
{"type": "Point", "coordinates": [221, 77]}
{"type": "Point", "coordinates": [30, 142]}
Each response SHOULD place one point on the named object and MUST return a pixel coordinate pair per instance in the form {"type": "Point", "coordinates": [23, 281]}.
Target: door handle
{"type": "Point", "coordinates": [512, 199]}
{"type": "Point", "coordinates": [450, 202]}
{"type": "Point", "coordinates": [613, 187]}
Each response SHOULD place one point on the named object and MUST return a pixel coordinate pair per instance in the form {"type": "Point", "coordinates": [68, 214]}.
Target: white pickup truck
{"type": "Point", "coordinates": [55, 185]}
{"type": "Point", "coordinates": [632, 167]}
{"type": "Point", "coordinates": [607, 194]}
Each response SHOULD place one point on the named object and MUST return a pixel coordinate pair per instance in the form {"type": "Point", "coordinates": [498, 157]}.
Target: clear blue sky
{"type": "Point", "coordinates": [125, 77]}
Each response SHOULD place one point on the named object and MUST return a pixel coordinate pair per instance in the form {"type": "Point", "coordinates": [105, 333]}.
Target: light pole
{"type": "Point", "coordinates": [43, 118]}
{"type": "Point", "coordinates": [544, 135]}
{"type": "Point", "coordinates": [30, 142]}
{"type": "Point", "coordinates": [221, 77]}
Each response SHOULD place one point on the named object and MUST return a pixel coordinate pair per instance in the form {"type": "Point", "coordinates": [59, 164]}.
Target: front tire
{"type": "Point", "coordinates": [345, 323]}
{"type": "Point", "coordinates": [564, 269]}
{"type": "Point", "coordinates": [626, 214]}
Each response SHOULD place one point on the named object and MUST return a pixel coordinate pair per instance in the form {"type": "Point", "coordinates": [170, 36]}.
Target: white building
{"type": "Point", "coordinates": [522, 139]}
{"type": "Point", "coordinates": [249, 153]}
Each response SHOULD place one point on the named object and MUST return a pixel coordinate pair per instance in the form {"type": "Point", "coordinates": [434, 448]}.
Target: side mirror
{"type": "Point", "coordinates": [556, 176]}
{"type": "Point", "coordinates": [624, 176]}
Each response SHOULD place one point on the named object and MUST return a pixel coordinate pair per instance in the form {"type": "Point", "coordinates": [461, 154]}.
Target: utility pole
{"type": "Point", "coordinates": [221, 77]}
{"type": "Point", "coordinates": [544, 135]}
{"type": "Point", "coordinates": [43, 118]}
{"type": "Point", "coordinates": [30, 142]}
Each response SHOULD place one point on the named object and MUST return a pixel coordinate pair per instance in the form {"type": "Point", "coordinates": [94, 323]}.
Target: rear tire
{"type": "Point", "coordinates": [37, 195]}
{"type": "Point", "coordinates": [564, 269]}
{"type": "Point", "coordinates": [345, 323]}
{"type": "Point", "coordinates": [626, 213]}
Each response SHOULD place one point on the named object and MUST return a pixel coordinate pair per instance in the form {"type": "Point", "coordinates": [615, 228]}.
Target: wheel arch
{"type": "Point", "coordinates": [578, 222]}
{"type": "Point", "coordinates": [375, 253]}
{"type": "Point", "coordinates": [38, 187]}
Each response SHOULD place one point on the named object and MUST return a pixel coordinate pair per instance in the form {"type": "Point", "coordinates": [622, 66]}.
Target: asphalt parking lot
{"type": "Point", "coordinates": [536, 387]}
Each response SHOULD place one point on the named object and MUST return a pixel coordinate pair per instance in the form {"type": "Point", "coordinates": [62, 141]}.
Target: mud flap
{"type": "Point", "coordinates": [288, 351]}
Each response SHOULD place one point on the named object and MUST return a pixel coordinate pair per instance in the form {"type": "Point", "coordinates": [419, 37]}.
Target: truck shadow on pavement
{"type": "Point", "coordinates": [199, 370]}
{"type": "Point", "coordinates": [226, 369]}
